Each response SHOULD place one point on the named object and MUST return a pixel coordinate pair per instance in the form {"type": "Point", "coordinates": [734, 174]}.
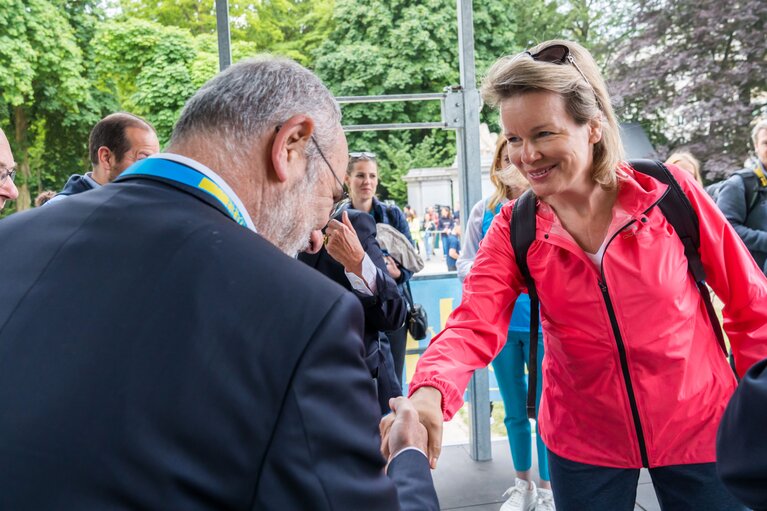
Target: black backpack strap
{"type": "Point", "coordinates": [522, 236]}
{"type": "Point", "coordinates": [678, 210]}
{"type": "Point", "coordinates": [751, 185]}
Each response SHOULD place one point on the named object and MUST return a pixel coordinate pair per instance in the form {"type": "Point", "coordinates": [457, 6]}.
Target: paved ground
{"type": "Point", "coordinates": [463, 484]}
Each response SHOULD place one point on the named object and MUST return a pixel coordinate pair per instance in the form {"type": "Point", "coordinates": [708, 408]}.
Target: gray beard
{"type": "Point", "coordinates": [286, 222]}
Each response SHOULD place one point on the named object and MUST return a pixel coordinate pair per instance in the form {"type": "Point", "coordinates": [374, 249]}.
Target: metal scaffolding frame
{"type": "Point", "coordinates": [460, 112]}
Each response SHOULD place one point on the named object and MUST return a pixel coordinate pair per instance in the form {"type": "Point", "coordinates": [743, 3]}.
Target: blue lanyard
{"type": "Point", "coordinates": [180, 173]}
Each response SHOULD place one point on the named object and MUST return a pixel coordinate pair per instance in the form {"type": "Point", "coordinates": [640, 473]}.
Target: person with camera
{"type": "Point", "coordinates": [362, 180]}
{"type": "Point", "coordinates": [352, 257]}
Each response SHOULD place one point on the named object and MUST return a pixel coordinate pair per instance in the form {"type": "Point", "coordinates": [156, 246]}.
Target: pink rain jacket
{"type": "Point", "coordinates": [665, 402]}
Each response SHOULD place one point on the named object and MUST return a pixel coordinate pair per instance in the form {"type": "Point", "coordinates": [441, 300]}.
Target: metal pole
{"type": "Point", "coordinates": [396, 126]}
{"type": "Point", "coordinates": [391, 97]}
{"type": "Point", "coordinates": [469, 175]}
{"type": "Point", "coordinates": [224, 38]}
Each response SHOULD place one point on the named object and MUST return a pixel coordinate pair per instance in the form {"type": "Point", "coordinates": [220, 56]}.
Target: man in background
{"type": "Point", "coordinates": [743, 199]}
{"type": "Point", "coordinates": [115, 143]}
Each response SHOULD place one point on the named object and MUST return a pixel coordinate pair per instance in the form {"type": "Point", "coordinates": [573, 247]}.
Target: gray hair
{"type": "Point", "coordinates": [761, 125]}
{"type": "Point", "coordinates": [255, 96]}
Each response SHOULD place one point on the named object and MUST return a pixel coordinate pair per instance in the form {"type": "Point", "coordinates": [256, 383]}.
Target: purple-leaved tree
{"type": "Point", "coordinates": [693, 74]}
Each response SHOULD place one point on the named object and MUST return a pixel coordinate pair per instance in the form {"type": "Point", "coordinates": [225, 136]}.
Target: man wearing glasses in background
{"type": "Point", "coordinates": [8, 189]}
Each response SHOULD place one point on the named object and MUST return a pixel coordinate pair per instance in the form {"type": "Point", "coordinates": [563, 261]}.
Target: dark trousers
{"type": "Point", "coordinates": [398, 344]}
{"type": "Point", "coordinates": [582, 487]}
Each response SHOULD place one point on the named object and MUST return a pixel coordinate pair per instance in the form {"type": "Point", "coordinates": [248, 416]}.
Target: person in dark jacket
{"type": "Point", "coordinates": [741, 442]}
{"type": "Point", "coordinates": [362, 180]}
{"type": "Point", "coordinates": [352, 258]}
{"type": "Point", "coordinates": [750, 220]}
{"type": "Point", "coordinates": [115, 143]}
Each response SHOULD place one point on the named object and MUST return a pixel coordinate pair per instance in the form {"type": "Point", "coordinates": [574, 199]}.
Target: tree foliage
{"type": "Point", "coordinates": [292, 28]}
{"type": "Point", "coordinates": [43, 87]}
{"type": "Point", "coordinates": [693, 75]}
{"type": "Point", "coordinates": [148, 68]}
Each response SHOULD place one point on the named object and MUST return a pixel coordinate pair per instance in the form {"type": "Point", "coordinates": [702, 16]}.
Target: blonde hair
{"type": "Point", "coordinates": [685, 156]}
{"type": "Point", "coordinates": [584, 99]}
{"type": "Point", "coordinates": [759, 126]}
{"type": "Point", "coordinates": [508, 182]}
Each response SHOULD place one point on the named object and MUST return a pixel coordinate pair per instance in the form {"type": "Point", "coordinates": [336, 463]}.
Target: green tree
{"type": "Point", "coordinates": [293, 28]}
{"type": "Point", "coordinates": [43, 85]}
{"type": "Point", "coordinates": [147, 66]}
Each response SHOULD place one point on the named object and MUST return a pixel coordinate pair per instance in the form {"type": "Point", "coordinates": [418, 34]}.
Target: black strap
{"type": "Point", "coordinates": [751, 185]}
{"type": "Point", "coordinates": [522, 236]}
{"type": "Point", "coordinates": [678, 210]}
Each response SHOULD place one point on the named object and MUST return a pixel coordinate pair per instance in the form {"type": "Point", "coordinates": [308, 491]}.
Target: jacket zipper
{"type": "Point", "coordinates": [622, 347]}
{"type": "Point", "coordinates": [626, 375]}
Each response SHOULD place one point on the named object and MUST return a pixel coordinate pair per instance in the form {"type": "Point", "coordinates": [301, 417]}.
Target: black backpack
{"type": "Point", "coordinates": [674, 205]}
{"type": "Point", "coordinates": [750, 183]}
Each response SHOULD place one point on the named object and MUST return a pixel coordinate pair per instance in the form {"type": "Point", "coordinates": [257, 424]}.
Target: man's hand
{"type": "Point", "coordinates": [343, 245]}
{"type": "Point", "coordinates": [403, 429]}
{"type": "Point", "coordinates": [427, 401]}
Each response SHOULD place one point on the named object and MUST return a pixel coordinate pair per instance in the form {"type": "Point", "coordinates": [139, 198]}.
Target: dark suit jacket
{"type": "Point", "coordinates": [156, 355]}
{"type": "Point", "coordinates": [741, 444]}
{"type": "Point", "coordinates": [385, 310]}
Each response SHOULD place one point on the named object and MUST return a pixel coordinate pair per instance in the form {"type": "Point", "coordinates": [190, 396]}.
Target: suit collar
{"type": "Point", "coordinates": [216, 192]}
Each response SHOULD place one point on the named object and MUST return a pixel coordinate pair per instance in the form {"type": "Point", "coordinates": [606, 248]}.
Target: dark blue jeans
{"type": "Point", "coordinates": [582, 487]}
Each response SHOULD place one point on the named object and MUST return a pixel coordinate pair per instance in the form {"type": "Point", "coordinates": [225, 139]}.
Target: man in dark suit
{"type": "Point", "coordinates": [352, 257]}
{"type": "Point", "coordinates": [741, 444]}
{"type": "Point", "coordinates": [159, 347]}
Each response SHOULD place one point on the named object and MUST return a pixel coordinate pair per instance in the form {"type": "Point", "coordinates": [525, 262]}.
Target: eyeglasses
{"type": "Point", "coordinates": [560, 54]}
{"type": "Point", "coordinates": [6, 173]}
{"type": "Point", "coordinates": [363, 155]}
{"type": "Point", "coordinates": [339, 203]}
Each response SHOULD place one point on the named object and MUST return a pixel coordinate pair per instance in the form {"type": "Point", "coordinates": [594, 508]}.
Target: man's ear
{"type": "Point", "coordinates": [289, 146]}
{"type": "Point", "coordinates": [105, 157]}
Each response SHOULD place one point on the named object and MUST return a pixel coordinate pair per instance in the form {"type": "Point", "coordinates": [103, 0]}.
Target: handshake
{"type": "Point", "coordinates": [402, 429]}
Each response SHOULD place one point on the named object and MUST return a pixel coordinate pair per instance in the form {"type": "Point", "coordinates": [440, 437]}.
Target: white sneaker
{"type": "Point", "coordinates": [545, 501]}
{"type": "Point", "coordinates": [522, 496]}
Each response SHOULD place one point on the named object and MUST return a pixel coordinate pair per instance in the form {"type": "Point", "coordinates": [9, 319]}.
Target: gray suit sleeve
{"type": "Point", "coordinates": [732, 202]}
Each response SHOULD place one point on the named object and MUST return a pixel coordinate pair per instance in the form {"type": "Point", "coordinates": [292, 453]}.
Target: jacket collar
{"type": "Point", "coordinates": [637, 193]}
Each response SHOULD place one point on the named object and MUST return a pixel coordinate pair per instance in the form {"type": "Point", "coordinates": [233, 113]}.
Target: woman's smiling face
{"type": "Point", "coordinates": [548, 147]}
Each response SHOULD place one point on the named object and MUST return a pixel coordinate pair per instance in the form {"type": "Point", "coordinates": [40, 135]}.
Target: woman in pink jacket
{"type": "Point", "coordinates": [633, 374]}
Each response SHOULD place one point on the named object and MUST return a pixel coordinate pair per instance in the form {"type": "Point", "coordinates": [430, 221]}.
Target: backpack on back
{"type": "Point", "coordinates": [674, 205]}
{"type": "Point", "coordinates": [750, 182]}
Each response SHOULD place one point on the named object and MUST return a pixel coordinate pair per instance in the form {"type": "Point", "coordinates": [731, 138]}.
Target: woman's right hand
{"type": "Point", "coordinates": [428, 402]}
{"type": "Point", "coordinates": [392, 268]}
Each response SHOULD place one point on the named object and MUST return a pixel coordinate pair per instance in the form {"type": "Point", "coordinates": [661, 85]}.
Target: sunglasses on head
{"type": "Point", "coordinates": [363, 155]}
{"type": "Point", "coordinates": [559, 54]}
